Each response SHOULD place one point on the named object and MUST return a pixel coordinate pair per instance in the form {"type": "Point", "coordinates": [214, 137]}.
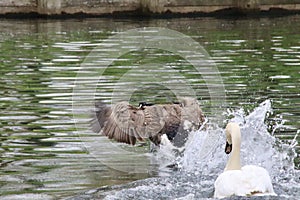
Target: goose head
{"type": "Point", "coordinates": [142, 105]}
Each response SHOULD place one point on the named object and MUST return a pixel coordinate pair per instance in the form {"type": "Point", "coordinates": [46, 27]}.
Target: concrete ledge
{"type": "Point", "coordinates": [18, 3]}
{"type": "Point", "coordinates": [141, 7]}
{"type": "Point", "coordinates": [17, 6]}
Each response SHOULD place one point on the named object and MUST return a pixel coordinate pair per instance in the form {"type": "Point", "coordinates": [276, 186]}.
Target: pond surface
{"type": "Point", "coordinates": [47, 149]}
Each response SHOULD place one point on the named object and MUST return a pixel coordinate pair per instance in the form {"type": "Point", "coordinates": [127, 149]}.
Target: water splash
{"type": "Point", "coordinates": [258, 146]}
{"type": "Point", "coordinates": [204, 159]}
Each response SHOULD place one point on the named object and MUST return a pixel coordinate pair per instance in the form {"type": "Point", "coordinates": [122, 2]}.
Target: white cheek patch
{"type": "Point", "coordinates": [164, 140]}
{"type": "Point", "coordinates": [187, 125]}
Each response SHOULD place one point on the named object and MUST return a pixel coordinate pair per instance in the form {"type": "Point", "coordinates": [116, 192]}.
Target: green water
{"type": "Point", "coordinates": [42, 151]}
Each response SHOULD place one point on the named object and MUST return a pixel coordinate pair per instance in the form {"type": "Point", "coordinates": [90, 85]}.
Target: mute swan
{"type": "Point", "coordinates": [241, 181]}
{"type": "Point", "coordinates": [126, 123]}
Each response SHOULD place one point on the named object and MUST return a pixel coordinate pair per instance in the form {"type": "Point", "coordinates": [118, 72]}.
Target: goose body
{"type": "Point", "coordinates": [240, 181]}
{"type": "Point", "coordinates": [126, 123]}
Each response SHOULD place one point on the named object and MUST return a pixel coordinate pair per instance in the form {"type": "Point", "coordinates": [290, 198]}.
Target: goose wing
{"type": "Point", "coordinates": [125, 123]}
{"type": "Point", "coordinates": [192, 113]}
{"type": "Point", "coordinates": [100, 116]}
{"type": "Point", "coordinates": [121, 122]}
{"type": "Point", "coordinates": [155, 121]}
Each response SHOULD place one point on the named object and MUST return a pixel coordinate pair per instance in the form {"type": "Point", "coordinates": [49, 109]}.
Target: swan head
{"type": "Point", "coordinates": [231, 128]}
{"type": "Point", "coordinates": [233, 145]}
{"type": "Point", "coordinates": [228, 148]}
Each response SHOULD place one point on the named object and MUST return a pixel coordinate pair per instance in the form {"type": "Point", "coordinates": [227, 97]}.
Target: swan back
{"type": "Point", "coordinates": [250, 180]}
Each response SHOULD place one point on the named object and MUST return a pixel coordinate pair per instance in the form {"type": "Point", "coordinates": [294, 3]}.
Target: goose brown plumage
{"type": "Point", "coordinates": [126, 123]}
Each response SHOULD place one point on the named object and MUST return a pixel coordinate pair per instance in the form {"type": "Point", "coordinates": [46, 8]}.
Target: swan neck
{"type": "Point", "coordinates": [234, 162]}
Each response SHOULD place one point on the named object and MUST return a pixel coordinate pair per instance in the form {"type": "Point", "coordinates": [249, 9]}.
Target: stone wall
{"type": "Point", "coordinates": [17, 6]}
{"type": "Point", "coordinates": [101, 7]}
{"type": "Point", "coordinates": [95, 7]}
{"type": "Point", "coordinates": [206, 6]}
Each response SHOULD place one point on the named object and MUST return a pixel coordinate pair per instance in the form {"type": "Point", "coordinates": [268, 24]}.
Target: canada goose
{"type": "Point", "coordinates": [241, 181]}
{"type": "Point", "coordinates": [126, 123]}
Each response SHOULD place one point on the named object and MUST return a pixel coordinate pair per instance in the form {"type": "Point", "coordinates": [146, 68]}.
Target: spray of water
{"type": "Point", "coordinates": [259, 147]}
{"type": "Point", "coordinates": [199, 167]}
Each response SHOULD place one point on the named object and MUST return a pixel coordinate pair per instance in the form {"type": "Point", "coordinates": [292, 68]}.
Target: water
{"type": "Point", "coordinates": [47, 152]}
{"type": "Point", "coordinates": [198, 171]}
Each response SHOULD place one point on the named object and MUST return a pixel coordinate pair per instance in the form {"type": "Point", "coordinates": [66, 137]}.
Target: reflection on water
{"type": "Point", "coordinates": [42, 150]}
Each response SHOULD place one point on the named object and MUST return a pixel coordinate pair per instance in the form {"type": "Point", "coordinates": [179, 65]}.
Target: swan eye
{"type": "Point", "coordinates": [228, 148]}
